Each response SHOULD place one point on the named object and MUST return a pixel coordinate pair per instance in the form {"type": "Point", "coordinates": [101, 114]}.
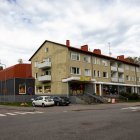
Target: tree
{"type": "Point", "coordinates": [134, 59]}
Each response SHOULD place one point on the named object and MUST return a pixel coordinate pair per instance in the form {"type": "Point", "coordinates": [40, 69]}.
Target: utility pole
{"type": "Point", "coordinates": [109, 49]}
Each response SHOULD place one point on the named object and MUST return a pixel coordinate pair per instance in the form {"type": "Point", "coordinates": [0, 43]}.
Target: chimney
{"type": "Point", "coordinates": [68, 43]}
{"type": "Point", "coordinates": [121, 57]}
{"type": "Point", "coordinates": [97, 51]}
{"type": "Point", "coordinates": [84, 47]}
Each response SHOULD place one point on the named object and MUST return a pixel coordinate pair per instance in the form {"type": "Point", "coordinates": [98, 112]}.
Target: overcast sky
{"type": "Point", "coordinates": [26, 24]}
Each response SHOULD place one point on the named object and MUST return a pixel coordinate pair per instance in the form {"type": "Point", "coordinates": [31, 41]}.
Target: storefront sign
{"type": "Point", "coordinates": [82, 78]}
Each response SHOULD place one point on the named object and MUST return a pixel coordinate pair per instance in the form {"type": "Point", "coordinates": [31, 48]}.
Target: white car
{"type": "Point", "coordinates": [43, 101]}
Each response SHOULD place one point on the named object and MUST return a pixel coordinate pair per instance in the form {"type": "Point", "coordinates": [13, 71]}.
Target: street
{"type": "Point", "coordinates": [77, 122]}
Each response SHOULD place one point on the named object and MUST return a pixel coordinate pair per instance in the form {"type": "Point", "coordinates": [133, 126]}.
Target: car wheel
{"type": "Point", "coordinates": [43, 105]}
{"type": "Point", "coordinates": [33, 104]}
{"type": "Point", "coordinates": [58, 104]}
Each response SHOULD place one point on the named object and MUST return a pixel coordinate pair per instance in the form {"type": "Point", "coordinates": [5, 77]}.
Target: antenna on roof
{"type": "Point", "coordinates": [109, 49]}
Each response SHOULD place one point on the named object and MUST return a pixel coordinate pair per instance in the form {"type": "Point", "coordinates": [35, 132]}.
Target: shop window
{"type": "Point", "coordinates": [47, 89]}
{"type": "Point", "coordinates": [39, 89]}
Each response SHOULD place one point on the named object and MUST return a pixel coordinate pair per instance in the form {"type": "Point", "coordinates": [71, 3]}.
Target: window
{"type": "Point", "coordinates": [138, 79]}
{"type": "Point", "coordinates": [75, 70]}
{"type": "Point", "coordinates": [138, 69]}
{"type": "Point", "coordinates": [133, 78]}
{"type": "Point", "coordinates": [35, 75]}
{"type": "Point", "coordinates": [36, 63]}
{"type": "Point", "coordinates": [46, 49]}
{"type": "Point", "coordinates": [87, 72]}
{"type": "Point", "coordinates": [87, 59]}
{"type": "Point", "coordinates": [48, 72]}
{"type": "Point", "coordinates": [47, 60]}
{"type": "Point", "coordinates": [127, 77]}
{"type": "Point", "coordinates": [98, 61]}
{"type": "Point", "coordinates": [104, 62]}
{"type": "Point", "coordinates": [94, 60]}
{"type": "Point", "coordinates": [94, 73]}
{"type": "Point", "coordinates": [75, 56]}
{"type": "Point", "coordinates": [98, 74]}
{"type": "Point", "coordinates": [105, 74]}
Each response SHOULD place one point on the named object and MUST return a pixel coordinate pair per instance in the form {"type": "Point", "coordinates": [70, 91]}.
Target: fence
{"type": "Point", "coordinates": [16, 98]}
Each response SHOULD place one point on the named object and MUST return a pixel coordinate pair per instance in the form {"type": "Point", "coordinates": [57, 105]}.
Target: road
{"type": "Point", "coordinates": [76, 122]}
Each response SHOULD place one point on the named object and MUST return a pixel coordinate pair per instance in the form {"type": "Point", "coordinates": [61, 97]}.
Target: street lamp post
{"type": "Point", "coordinates": [4, 79]}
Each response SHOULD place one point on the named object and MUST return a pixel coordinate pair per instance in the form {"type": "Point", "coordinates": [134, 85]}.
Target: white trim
{"type": "Point", "coordinates": [119, 84]}
{"type": "Point", "coordinates": [75, 79]}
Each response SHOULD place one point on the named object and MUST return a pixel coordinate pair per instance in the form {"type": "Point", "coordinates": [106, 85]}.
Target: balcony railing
{"type": "Point", "coordinates": [44, 78]}
{"type": "Point", "coordinates": [44, 65]}
{"type": "Point", "coordinates": [113, 68]}
{"type": "Point", "coordinates": [114, 79]}
{"type": "Point", "coordinates": [121, 80]}
{"type": "Point", "coordinates": [120, 70]}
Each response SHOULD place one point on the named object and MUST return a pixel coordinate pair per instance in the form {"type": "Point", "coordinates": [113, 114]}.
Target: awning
{"type": "Point", "coordinates": [82, 78]}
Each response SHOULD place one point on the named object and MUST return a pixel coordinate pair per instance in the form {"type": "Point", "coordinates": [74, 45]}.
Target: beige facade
{"type": "Point", "coordinates": [61, 69]}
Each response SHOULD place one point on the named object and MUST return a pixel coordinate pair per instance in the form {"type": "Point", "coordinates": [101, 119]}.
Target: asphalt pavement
{"type": "Point", "coordinates": [119, 121]}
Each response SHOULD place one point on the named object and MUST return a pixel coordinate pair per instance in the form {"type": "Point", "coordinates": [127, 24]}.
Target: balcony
{"type": "Point", "coordinates": [44, 78]}
{"type": "Point", "coordinates": [121, 80]}
{"type": "Point", "coordinates": [44, 65]}
{"type": "Point", "coordinates": [121, 70]}
{"type": "Point", "coordinates": [114, 79]}
{"type": "Point", "coordinates": [113, 68]}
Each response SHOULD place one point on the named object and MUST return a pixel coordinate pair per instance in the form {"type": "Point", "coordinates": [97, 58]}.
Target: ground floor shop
{"type": "Point", "coordinates": [17, 86]}
{"type": "Point", "coordinates": [75, 86]}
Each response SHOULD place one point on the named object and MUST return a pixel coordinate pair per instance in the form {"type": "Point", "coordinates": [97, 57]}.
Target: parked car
{"type": "Point", "coordinates": [61, 100]}
{"type": "Point", "coordinates": [43, 101]}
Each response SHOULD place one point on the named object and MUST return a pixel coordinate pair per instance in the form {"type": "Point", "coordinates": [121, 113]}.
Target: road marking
{"type": "Point", "coordinates": [1, 115]}
{"type": "Point", "coordinates": [20, 113]}
{"type": "Point", "coordinates": [10, 114]}
{"type": "Point", "coordinates": [136, 108]}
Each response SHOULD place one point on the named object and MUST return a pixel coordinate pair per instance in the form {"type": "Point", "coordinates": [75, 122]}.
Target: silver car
{"type": "Point", "coordinates": [42, 101]}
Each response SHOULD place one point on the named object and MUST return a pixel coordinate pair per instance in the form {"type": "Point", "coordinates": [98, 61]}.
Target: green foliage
{"type": "Point", "coordinates": [134, 59]}
{"type": "Point", "coordinates": [130, 96]}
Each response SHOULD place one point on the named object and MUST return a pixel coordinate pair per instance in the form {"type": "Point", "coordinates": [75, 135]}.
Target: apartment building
{"type": "Point", "coordinates": [63, 69]}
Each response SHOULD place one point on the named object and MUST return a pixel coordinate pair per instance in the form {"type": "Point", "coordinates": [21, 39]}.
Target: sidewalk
{"type": "Point", "coordinates": [73, 107]}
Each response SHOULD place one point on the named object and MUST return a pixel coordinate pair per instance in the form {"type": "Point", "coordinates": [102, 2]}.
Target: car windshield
{"type": "Point", "coordinates": [46, 98]}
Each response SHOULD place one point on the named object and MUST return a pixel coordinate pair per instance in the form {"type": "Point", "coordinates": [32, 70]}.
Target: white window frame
{"type": "Point", "coordinates": [94, 60]}
{"type": "Point", "coordinates": [35, 64]}
{"type": "Point", "coordinates": [87, 72]}
{"type": "Point", "coordinates": [98, 74]}
{"type": "Point", "coordinates": [127, 77]}
{"type": "Point", "coordinates": [75, 56]}
{"type": "Point", "coordinates": [46, 49]}
{"type": "Point", "coordinates": [98, 61]}
{"type": "Point", "coordinates": [87, 59]}
{"type": "Point", "coordinates": [77, 71]}
{"type": "Point", "coordinates": [105, 63]}
{"type": "Point", "coordinates": [36, 75]}
{"type": "Point", "coordinates": [94, 73]}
